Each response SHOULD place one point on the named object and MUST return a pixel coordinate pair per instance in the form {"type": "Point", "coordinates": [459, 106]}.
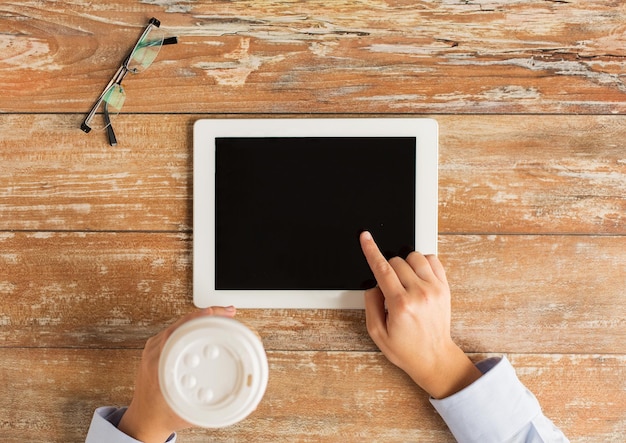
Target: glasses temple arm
{"type": "Point", "coordinates": [109, 127]}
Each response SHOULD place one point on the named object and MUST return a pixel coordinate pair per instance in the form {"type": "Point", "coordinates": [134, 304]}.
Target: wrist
{"type": "Point", "coordinates": [450, 372]}
{"type": "Point", "coordinates": [141, 428]}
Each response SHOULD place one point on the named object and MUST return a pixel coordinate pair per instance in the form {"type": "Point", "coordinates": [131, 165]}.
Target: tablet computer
{"type": "Point", "coordinates": [278, 206]}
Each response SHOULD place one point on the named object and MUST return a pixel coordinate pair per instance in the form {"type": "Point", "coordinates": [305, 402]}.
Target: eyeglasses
{"type": "Point", "coordinates": [112, 98]}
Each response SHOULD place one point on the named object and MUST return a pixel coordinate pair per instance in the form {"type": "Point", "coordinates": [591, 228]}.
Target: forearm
{"type": "Point", "coordinates": [143, 427]}
{"type": "Point", "coordinates": [449, 373]}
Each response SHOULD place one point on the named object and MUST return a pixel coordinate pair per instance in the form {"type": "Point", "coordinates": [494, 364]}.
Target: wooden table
{"type": "Point", "coordinates": [95, 241]}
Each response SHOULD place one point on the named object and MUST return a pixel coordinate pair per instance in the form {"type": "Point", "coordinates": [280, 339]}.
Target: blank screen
{"type": "Point", "coordinates": [289, 210]}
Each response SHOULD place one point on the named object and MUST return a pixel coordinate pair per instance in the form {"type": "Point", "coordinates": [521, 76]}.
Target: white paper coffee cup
{"type": "Point", "coordinates": [213, 371]}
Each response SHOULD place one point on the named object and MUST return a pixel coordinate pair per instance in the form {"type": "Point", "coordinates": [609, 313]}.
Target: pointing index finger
{"type": "Point", "coordinates": [384, 273]}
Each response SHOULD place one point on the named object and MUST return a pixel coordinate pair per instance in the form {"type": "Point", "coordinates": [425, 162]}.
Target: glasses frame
{"type": "Point", "coordinates": [121, 73]}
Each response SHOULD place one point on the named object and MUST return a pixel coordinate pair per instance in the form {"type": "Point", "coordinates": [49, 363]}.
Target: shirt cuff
{"type": "Point", "coordinates": [492, 409]}
{"type": "Point", "coordinates": [103, 428]}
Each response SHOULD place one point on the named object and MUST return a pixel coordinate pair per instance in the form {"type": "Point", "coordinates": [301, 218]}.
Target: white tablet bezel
{"type": "Point", "coordinates": [207, 130]}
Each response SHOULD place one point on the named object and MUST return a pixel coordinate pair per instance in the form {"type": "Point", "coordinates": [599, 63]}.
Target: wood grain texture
{"type": "Point", "coordinates": [505, 289]}
{"type": "Point", "coordinates": [73, 181]}
{"type": "Point", "coordinates": [532, 174]}
{"type": "Point", "coordinates": [497, 174]}
{"type": "Point", "coordinates": [348, 396]}
{"type": "Point", "coordinates": [95, 242]}
{"type": "Point", "coordinates": [343, 56]}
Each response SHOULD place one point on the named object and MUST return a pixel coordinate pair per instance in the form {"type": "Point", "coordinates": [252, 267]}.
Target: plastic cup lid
{"type": "Point", "coordinates": [213, 371]}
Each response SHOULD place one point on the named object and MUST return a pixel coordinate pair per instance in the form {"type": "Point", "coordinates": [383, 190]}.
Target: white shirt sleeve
{"type": "Point", "coordinates": [497, 408]}
{"type": "Point", "coordinates": [103, 428]}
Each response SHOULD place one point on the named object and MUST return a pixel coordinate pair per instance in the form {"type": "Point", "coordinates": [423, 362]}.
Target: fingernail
{"type": "Point", "coordinates": [366, 235]}
{"type": "Point", "coordinates": [230, 308]}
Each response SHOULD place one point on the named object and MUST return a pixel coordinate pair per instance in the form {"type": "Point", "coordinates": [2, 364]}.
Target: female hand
{"type": "Point", "coordinates": [149, 418]}
{"type": "Point", "coordinates": [408, 317]}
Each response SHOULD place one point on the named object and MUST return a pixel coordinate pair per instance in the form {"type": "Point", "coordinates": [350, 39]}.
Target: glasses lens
{"type": "Point", "coordinates": [114, 98]}
{"type": "Point", "coordinates": [111, 105]}
{"type": "Point", "coordinates": [146, 50]}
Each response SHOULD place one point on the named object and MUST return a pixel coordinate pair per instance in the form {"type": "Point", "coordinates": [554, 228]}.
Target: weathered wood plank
{"type": "Point", "coordinates": [566, 384]}
{"type": "Point", "coordinates": [519, 293]}
{"type": "Point", "coordinates": [55, 177]}
{"type": "Point", "coordinates": [510, 294]}
{"type": "Point", "coordinates": [50, 395]}
{"type": "Point", "coordinates": [532, 174]}
{"type": "Point", "coordinates": [497, 174]}
{"type": "Point", "coordinates": [341, 56]}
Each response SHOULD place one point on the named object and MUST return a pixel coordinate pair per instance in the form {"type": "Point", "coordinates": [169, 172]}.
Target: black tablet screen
{"type": "Point", "coordinates": [289, 210]}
